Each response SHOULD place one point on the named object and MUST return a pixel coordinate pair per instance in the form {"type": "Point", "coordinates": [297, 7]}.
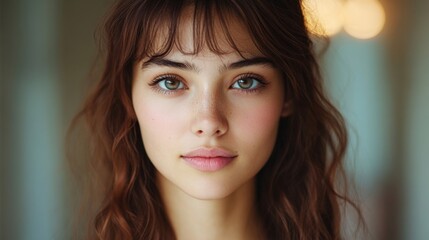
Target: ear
{"type": "Point", "coordinates": [287, 108]}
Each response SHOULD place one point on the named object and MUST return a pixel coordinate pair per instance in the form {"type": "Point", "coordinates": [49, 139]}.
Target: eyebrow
{"type": "Point", "coordinates": [158, 61]}
{"type": "Point", "coordinates": [162, 62]}
{"type": "Point", "coordinates": [250, 62]}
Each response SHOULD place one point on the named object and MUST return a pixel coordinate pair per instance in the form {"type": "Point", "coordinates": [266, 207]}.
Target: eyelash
{"type": "Point", "coordinates": [155, 83]}
{"type": "Point", "coordinates": [261, 81]}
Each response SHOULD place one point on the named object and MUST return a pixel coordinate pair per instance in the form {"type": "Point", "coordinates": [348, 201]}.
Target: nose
{"type": "Point", "coordinates": [209, 116]}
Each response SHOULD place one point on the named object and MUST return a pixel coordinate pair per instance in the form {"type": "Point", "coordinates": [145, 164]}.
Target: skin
{"type": "Point", "coordinates": [206, 107]}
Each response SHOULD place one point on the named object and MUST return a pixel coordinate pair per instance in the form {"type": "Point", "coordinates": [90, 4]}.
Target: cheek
{"type": "Point", "coordinates": [259, 123]}
{"type": "Point", "coordinates": [159, 124]}
{"type": "Point", "coordinates": [256, 131]}
{"type": "Point", "coordinates": [150, 119]}
{"type": "Point", "coordinates": [159, 128]}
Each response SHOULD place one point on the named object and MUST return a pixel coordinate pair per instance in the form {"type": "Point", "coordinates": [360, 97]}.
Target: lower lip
{"type": "Point", "coordinates": [208, 164]}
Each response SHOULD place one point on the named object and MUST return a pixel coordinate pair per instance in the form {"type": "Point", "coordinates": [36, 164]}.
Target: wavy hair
{"type": "Point", "coordinates": [296, 190]}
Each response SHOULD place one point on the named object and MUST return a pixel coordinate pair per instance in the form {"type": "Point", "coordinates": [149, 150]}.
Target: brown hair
{"type": "Point", "coordinates": [296, 191]}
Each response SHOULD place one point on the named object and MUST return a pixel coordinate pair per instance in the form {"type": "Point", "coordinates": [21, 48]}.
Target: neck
{"type": "Point", "coordinates": [232, 217]}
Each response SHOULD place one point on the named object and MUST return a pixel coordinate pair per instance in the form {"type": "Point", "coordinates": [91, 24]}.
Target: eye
{"type": "Point", "coordinates": [247, 83]}
{"type": "Point", "coordinates": [168, 83]}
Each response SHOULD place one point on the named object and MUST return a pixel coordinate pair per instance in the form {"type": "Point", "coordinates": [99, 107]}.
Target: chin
{"type": "Point", "coordinates": [213, 191]}
{"type": "Point", "coordinates": [208, 194]}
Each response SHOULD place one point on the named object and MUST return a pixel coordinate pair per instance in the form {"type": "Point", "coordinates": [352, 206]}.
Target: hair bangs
{"type": "Point", "coordinates": [163, 27]}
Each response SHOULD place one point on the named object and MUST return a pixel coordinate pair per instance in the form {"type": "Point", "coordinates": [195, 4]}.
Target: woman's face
{"type": "Point", "coordinates": [208, 122]}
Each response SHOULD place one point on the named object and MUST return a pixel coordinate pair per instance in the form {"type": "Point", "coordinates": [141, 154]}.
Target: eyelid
{"type": "Point", "coordinates": [250, 75]}
{"type": "Point", "coordinates": [161, 77]}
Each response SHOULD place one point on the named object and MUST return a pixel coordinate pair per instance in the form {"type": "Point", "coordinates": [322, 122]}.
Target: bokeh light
{"type": "Point", "coordinates": [363, 19]}
{"type": "Point", "coordinates": [323, 17]}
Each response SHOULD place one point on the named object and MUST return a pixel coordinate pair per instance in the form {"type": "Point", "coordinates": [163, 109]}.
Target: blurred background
{"type": "Point", "coordinates": [376, 68]}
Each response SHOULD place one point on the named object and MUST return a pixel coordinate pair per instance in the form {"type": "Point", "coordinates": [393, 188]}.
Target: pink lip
{"type": "Point", "coordinates": [209, 159]}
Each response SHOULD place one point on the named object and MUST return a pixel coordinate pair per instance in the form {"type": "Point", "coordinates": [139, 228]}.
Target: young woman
{"type": "Point", "coordinates": [210, 122]}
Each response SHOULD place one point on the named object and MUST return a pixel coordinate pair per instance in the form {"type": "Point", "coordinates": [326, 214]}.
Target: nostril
{"type": "Point", "coordinates": [209, 127]}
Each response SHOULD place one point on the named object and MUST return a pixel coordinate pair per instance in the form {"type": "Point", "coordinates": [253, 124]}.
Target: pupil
{"type": "Point", "coordinates": [171, 84]}
{"type": "Point", "coordinates": [245, 83]}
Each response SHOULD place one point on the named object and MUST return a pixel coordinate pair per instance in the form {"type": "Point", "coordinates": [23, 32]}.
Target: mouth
{"type": "Point", "coordinates": [209, 159]}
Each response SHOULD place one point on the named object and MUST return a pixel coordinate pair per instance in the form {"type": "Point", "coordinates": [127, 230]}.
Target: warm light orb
{"type": "Point", "coordinates": [363, 19]}
{"type": "Point", "coordinates": [323, 17]}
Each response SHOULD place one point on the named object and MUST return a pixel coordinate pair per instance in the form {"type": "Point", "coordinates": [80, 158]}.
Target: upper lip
{"type": "Point", "coordinates": [210, 153]}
